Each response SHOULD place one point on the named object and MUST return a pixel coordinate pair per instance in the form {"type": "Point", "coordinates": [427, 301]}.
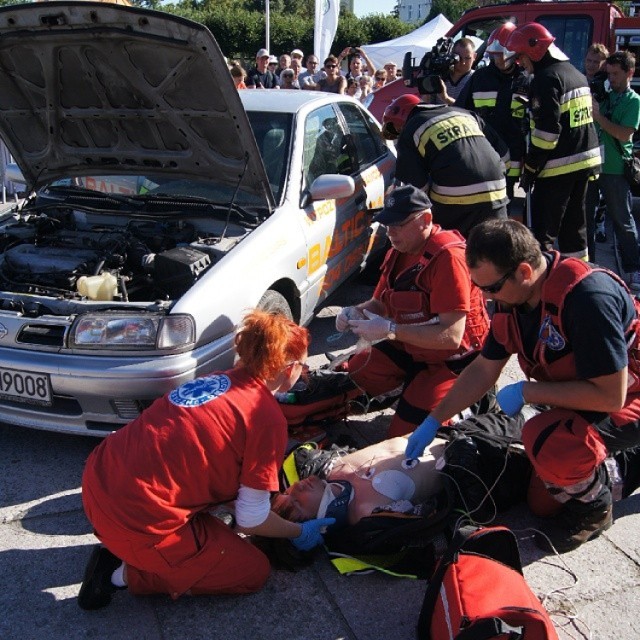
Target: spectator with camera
{"type": "Point", "coordinates": [617, 117]}
{"type": "Point", "coordinates": [596, 74]}
{"type": "Point", "coordinates": [453, 82]}
{"type": "Point", "coordinates": [355, 57]}
{"type": "Point", "coordinates": [563, 151]}
{"type": "Point", "coordinates": [453, 155]}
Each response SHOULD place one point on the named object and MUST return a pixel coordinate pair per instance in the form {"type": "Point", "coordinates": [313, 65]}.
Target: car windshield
{"type": "Point", "coordinates": [273, 135]}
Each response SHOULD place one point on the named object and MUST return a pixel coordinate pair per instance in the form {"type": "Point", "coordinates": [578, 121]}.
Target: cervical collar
{"type": "Point", "coordinates": [332, 506]}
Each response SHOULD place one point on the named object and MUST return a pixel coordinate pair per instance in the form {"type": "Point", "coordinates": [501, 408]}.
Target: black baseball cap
{"type": "Point", "coordinates": [401, 203]}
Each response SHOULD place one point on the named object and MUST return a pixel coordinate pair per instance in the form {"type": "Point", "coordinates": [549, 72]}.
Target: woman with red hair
{"type": "Point", "coordinates": [148, 488]}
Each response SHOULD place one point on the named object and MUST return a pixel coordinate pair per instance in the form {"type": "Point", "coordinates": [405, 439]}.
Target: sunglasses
{"type": "Point", "coordinates": [497, 285]}
{"type": "Point", "coordinates": [330, 66]}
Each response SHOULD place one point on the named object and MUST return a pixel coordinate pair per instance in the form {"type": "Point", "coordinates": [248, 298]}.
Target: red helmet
{"type": "Point", "coordinates": [498, 39]}
{"type": "Point", "coordinates": [396, 114]}
{"type": "Point", "coordinates": [531, 39]}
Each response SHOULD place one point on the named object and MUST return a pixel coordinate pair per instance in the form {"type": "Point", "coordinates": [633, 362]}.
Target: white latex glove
{"type": "Point", "coordinates": [372, 329]}
{"type": "Point", "coordinates": [347, 313]}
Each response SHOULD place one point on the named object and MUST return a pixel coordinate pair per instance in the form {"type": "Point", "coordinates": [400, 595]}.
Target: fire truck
{"type": "Point", "coordinates": [576, 24]}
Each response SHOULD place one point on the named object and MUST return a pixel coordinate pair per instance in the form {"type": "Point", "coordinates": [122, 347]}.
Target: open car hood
{"type": "Point", "coordinates": [89, 88]}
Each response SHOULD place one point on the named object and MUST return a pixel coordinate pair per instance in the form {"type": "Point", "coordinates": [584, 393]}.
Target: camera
{"type": "Point", "coordinates": [435, 65]}
{"type": "Point", "coordinates": [598, 86]}
{"type": "Point", "coordinates": [354, 51]}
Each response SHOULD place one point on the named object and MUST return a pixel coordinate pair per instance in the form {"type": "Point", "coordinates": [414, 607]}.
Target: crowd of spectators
{"type": "Point", "coordinates": [352, 72]}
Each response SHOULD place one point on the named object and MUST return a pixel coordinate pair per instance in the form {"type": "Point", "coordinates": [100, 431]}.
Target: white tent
{"type": "Point", "coordinates": [418, 42]}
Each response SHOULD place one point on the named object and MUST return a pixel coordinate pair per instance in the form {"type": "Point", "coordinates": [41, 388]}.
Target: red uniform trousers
{"type": "Point", "coordinates": [565, 446]}
{"type": "Point", "coordinates": [202, 557]}
{"type": "Point", "coordinates": [385, 367]}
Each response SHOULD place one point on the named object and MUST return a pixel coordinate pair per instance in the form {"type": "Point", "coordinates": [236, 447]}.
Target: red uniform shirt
{"type": "Point", "coordinates": [447, 281]}
{"type": "Point", "coordinates": [191, 449]}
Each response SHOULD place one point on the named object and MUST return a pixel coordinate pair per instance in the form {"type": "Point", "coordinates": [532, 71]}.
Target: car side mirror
{"type": "Point", "coordinates": [332, 186]}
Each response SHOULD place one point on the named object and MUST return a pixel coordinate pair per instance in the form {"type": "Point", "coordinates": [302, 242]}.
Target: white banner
{"type": "Point", "coordinates": [325, 27]}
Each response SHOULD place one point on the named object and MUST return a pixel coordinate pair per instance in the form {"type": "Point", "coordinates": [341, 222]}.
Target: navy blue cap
{"type": "Point", "coordinates": [401, 203]}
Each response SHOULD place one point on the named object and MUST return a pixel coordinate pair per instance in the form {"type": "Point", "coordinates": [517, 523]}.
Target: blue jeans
{"type": "Point", "coordinates": [617, 195]}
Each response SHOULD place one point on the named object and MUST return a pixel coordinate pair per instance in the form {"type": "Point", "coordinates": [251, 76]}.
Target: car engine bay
{"type": "Point", "coordinates": [76, 255]}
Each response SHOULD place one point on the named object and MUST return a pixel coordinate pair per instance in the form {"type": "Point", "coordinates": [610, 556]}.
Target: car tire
{"type": "Point", "coordinates": [274, 302]}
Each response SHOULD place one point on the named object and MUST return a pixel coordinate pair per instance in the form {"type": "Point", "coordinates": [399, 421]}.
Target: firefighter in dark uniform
{"type": "Point", "coordinates": [563, 151]}
{"type": "Point", "coordinates": [454, 156]}
{"type": "Point", "coordinates": [499, 94]}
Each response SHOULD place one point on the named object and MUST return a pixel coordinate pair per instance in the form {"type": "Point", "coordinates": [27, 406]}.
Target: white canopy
{"type": "Point", "coordinates": [418, 42]}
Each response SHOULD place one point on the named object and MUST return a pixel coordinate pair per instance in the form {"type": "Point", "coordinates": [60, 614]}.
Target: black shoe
{"type": "Point", "coordinates": [601, 236]}
{"type": "Point", "coordinates": [96, 589]}
{"type": "Point", "coordinates": [568, 531]}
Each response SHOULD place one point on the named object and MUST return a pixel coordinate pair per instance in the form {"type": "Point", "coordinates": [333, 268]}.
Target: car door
{"type": "Point", "coordinates": [327, 222]}
{"type": "Point", "coordinates": [375, 169]}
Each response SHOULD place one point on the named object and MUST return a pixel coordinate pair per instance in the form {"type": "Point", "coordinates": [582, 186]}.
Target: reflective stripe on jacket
{"type": "Point", "coordinates": [563, 136]}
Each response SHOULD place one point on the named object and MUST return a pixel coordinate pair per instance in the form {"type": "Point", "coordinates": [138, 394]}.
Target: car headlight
{"type": "Point", "coordinates": [118, 331]}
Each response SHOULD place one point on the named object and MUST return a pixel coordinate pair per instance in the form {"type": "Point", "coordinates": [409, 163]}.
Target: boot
{"type": "Point", "coordinates": [577, 523]}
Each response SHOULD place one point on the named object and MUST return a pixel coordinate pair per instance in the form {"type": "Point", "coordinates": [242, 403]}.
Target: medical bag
{"type": "Point", "coordinates": [478, 592]}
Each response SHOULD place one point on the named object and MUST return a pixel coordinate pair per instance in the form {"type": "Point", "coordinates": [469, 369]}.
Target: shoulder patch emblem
{"type": "Point", "coordinates": [200, 391]}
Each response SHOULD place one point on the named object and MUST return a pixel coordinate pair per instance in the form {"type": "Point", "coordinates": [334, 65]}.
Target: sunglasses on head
{"type": "Point", "coordinates": [498, 284]}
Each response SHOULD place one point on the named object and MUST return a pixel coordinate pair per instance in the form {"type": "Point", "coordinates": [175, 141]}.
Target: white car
{"type": "Point", "coordinates": [157, 217]}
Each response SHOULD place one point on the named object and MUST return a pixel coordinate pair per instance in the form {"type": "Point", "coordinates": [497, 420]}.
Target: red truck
{"type": "Point", "coordinates": [575, 24]}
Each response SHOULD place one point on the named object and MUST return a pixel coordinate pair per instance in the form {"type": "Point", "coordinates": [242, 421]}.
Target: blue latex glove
{"type": "Point", "coordinates": [510, 398]}
{"type": "Point", "coordinates": [311, 536]}
{"type": "Point", "coordinates": [422, 437]}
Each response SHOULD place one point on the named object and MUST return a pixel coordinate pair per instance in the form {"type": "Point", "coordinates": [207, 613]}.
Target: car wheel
{"type": "Point", "coordinates": [274, 302]}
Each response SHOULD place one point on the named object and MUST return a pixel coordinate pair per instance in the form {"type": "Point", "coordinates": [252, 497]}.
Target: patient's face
{"type": "Point", "coordinates": [301, 501]}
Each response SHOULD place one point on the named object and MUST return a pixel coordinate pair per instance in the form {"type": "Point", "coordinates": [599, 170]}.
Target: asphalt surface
{"type": "Point", "coordinates": [45, 540]}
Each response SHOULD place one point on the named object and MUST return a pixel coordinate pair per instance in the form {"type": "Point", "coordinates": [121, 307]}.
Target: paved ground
{"type": "Point", "coordinates": [45, 541]}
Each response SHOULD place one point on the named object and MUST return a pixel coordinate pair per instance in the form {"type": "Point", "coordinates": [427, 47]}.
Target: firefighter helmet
{"type": "Point", "coordinates": [531, 39]}
{"type": "Point", "coordinates": [498, 39]}
{"type": "Point", "coordinates": [396, 114]}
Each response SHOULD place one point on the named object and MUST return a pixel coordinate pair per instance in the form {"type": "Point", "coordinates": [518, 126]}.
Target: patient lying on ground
{"type": "Point", "coordinates": [378, 476]}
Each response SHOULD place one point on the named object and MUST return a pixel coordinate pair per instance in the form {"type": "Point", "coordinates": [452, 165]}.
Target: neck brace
{"type": "Point", "coordinates": [332, 506]}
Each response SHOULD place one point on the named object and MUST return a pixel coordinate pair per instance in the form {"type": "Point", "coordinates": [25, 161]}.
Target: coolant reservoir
{"type": "Point", "coordinates": [102, 287]}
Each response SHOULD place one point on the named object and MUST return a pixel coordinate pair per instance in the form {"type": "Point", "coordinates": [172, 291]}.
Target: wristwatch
{"type": "Point", "coordinates": [391, 334]}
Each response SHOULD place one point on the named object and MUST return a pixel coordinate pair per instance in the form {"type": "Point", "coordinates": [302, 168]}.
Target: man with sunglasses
{"type": "Point", "coordinates": [426, 319]}
{"type": "Point", "coordinates": [575, 330]}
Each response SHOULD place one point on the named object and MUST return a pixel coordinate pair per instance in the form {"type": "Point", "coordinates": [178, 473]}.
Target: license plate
{"type": "Point", "coordinates": [25, 386]}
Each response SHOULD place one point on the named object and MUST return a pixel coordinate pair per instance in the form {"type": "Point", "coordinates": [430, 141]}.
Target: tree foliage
{"type": "Point", "coordinates": [241, 32]}
{"type": "Point", "coordinates": [239, 25]}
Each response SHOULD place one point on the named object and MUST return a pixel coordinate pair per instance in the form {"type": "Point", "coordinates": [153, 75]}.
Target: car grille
{"type": "Point", "coordinates": [45, 335]}
{"type": "Point", "coordinates": [61, 405]}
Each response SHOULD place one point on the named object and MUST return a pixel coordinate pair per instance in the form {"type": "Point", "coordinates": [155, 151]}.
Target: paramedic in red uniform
{"type": "Point", "coordinates": [148, 488]}
{"type": "Point", "coordinates": [575, 330]}
{"type": "Point", "coordinates": [428, 317]}
{"type": "Point", "coordinates": [454, 156]}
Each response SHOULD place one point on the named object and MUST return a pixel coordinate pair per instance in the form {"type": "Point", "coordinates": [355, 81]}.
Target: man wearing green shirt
{"type": "Point", "coordinates": [618, 117]}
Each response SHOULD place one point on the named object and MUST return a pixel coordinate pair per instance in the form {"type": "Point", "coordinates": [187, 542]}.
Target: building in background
{"type": "Point", "coordinates": [413, 10]}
